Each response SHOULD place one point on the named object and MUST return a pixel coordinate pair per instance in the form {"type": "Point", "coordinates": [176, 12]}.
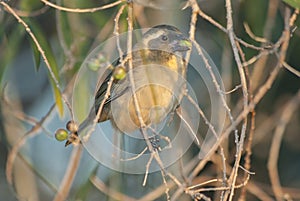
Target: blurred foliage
{"type": "Point", "coordinates": [293, 3]}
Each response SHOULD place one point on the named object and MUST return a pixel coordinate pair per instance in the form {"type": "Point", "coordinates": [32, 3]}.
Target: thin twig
{"type": "Point", "coordinates": [188, 126]}
{"type": "Point", "coordinates": [258, 56]}
{"type": "Point", "coordinates": [252, 35]}
{"type": "Point", "coordinates": [239, 142]}
{"type": "Point", "coordinates": [260, 66]}
{"type": "Point", "coordinates": [26, 118]}
{"type": "Point", "coordinates": [214, 79]}
{"type": "Point", "coordinates": [99, 112]}
{"type": "Point", "coordinates": [135, 157]}
{"type": "Point", "coordinates": [248, 45]}
{"type": "Point", "coordinates": [291, 69]}
{"type": "Point", "coordinates": [116, 31]}
{"type": "Point", "coordinates": [233, 90]}
{"type": "Point", "coordinates": [84, 10]}
{"type": "Point", "coordinates": [224, 176]}
{"type": "Point", "coordinates": [258, 192]}
{"type": "Point", "coordinates": [200, 111]}
{"type": "Point", "coordinates": [195, 5]}
{"type": "Point", "coordinates": [16, 147]}
{"type": "Point", "coordinates": [286, 115]}
{"type": "Point", "coordinates": [67, 181]}
{"type": "Point", "coordinates": [208, 18]}
{"type": "Point", "coordinates": [248, 146]}
{"type": "Point", "coordinates": [218, 188]}
{"type": "Point", "coordinates": [202, 184]}
{"type": "Point", "coordinates": [18, 114]}
{"type": "Point", "coordinates": [248, 149]}
{"type": "Point", "coordinates": [156, 193]}
{"type": "Point", "coordinates": [147, 168]}
{"type": "Point", "coordinates": [116, 195]}
{"type": "Point", "coordinates": [167, 189]}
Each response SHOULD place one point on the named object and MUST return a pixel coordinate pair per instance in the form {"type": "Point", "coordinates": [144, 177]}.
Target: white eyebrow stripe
{"type": "Point", "coordinates": [152, 36]}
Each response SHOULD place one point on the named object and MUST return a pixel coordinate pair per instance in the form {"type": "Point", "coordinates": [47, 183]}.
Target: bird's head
{"type": "Point", "coordinates": [166, 38]}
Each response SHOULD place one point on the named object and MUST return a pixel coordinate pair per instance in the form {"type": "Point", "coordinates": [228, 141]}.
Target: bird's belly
{"type": "Point", "coordinates": [155, 103]}
{"type": "Point", "coordinates": [156, 91]}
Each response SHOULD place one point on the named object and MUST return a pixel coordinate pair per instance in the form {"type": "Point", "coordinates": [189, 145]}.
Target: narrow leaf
{"type": "Point", "coordinates": [293, 3]}
{"type": "Point", "coordinates": [36, 55]}
{"type": "Point", "coordinates": [64, 27]}
{"type": "Point", "coordinates": [58, 98]}
{"type": "Point", "coordinates": [12, 44]}
{"type": "Point", "coordinates": [41, 37]}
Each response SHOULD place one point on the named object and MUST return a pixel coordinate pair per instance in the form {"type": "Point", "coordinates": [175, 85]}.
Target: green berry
{"type": "Point", "coordinates": [119, 73]}
{"type": "Point", "coordinates": [95, 63]}
{"type": "Point", "coordinates": [61, 134]}
{"type": "Point", "coordinates": [72, 126]}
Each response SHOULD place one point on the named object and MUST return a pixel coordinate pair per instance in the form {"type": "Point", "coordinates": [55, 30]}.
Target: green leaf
{"type": "Point", "coordinates": [293, 3]}
{"type": "Point", "coordinates": [80, 103]}
{"type": "Point", "coordinates": [36, 55]}
{"type": "Point", "coordinates": [83, 191]}
{"type": "Point", "coordinates": [58, 98]}
{"type": "Point", "coordinates": [41, 37]}
{"type": "Point", "coordinates": [11, 41]}
{"type": "Point", "coordinates": [64, 27]}
{"type": "Point", "coordinates": [30, 5]}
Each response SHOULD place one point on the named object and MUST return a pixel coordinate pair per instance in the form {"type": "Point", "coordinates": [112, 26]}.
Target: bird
{"type": "Point", "coordinates": [158, 73]}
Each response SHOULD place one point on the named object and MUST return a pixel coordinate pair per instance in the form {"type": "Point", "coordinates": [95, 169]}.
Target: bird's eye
{"type": "Point", "coordinates": [164, 38]}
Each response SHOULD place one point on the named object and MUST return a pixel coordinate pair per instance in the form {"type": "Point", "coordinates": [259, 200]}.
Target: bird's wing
{"type": "Point", "coordinates": [118, 88]}
{"type": "Point", "coordinates": [100, 94]}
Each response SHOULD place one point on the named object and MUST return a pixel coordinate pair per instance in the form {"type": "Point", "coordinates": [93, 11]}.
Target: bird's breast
{"type": "Point", "coordinates": [156, 87]}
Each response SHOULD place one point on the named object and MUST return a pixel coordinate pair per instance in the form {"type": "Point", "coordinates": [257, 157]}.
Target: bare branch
{"type": "Point", "coordinates": [291, 69]}
{"type": "Point", "coordinates": [17, 146]}
{"type": "Point", "coordinates": [79, 10]}
{"type": "Point", "coordinates": [286, 115]}
{"type": "Point", "coordinates": [108, 191]}
{"type": "Point", "coordinates": [252, 35]}
{"type": "Point", "coordinates": [66, 184]}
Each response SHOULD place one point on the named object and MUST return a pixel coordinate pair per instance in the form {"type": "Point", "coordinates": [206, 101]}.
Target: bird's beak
{"type": "Point", "coordinates": [182, 44]}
